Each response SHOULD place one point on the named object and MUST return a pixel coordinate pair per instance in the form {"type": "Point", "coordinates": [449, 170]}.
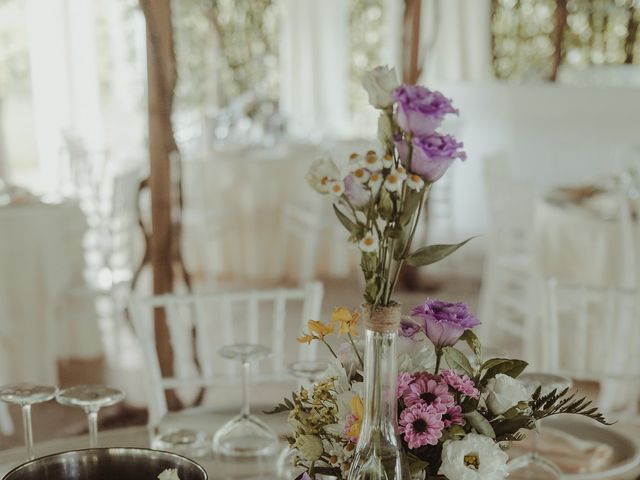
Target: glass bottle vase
{"type": "Point", "coordinates": [379, 453]}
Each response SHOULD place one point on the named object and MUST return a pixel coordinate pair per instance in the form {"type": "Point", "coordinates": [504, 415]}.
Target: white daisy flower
{"type": "Point", "coordinates": [415, 182]}
{"type": "Point", "coordinates": [402, 172]}
{"type": "Point", "coordinates": [475, 457]}
{"type": "Point", "coordinates": [387, 161]}
{"type": "Point", "coordinates": [321, 173]}
{"type": "Point", "coordinates": [375, 180]}
{"type": "Point", "coordinates": [369, 243]}
{"type": "Point", "coordinates": [372, 161]}
{"type": "Point", "coordinates": [361, 175]}
{"type": "Point", "coordinates": [393, 183]}
{"type": "Point", "coordinates": [354, 162]}
{"type": "Point", "coordinates": [336, 188]}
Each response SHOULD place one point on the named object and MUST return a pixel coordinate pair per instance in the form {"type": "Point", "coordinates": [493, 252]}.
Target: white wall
{"type": "Point", "coordinates": [552, 134]}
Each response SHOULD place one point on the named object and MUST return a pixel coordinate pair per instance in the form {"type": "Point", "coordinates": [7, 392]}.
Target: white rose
{"type": "Point", "coordinates": [322, 173]}
{"type": "Point", "coordinates": [385, 129]}
{"type": "Point", "coordinates": [475, 457]}
{"type": "Point", "coordinates": [505, 392]}
{"type": "Point", "coordinates": [380, 84]}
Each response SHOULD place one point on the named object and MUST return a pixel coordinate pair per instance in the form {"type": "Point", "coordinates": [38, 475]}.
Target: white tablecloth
{"type": "Point", "coordinates": [41, 257]}
{"type": "Point", "coordinates": [576, 244]}
{"type": "Point", "coordinates": [239, 194]}
{"type": "Point", "coordinates": [589, 246]}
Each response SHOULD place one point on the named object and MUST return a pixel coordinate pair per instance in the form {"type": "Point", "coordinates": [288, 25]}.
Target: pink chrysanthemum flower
{"type": "Point", "coordinates": [404, 380]}
{"type": "Point", "coordinates": [421, 425]}
{"type": "Point", "coordinates": [453, 416]}
{"type": "Point", "coordinates": [429, 392]}
{"type": "Point", "coordinates": [462, 384]}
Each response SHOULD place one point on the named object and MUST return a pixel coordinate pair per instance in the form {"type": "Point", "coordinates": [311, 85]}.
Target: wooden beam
{"type": "Point", "coordinates": [411, 66]}
{"type": "Point", "coordinates": [558, 38]}
{"type": "Point", "coordinates": [161, 73]}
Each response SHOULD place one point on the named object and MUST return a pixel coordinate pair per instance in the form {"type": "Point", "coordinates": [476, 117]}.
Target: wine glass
{"type": "Point", "coordinates": [184, 441]}
{"type": "Point", "coordinates": [245, 435]}
{"type": "Point", "coordinates": [532, 460]}
{"type": "Point", "coordinates": [91, 398]}
{"type": "Point", "coordinates": [309, 370]}
{"type": "Point", "coordinates": [25, 395]}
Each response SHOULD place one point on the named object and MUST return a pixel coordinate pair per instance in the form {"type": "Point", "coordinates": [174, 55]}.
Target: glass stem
{"type": "Point", "coordinates": [92, 418]}
{"type": "Point", "coordinates": [246, 374]}
{"type": "Point", "coordinates": [28, 431]}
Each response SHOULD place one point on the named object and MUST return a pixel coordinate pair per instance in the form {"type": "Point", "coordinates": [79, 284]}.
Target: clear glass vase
{"type": "Point", "coordinates": [379, 453]}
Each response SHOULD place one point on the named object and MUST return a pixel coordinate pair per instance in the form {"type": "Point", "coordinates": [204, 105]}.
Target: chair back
{"type": "Point", "coordinates": [200, 324]}
{"type": "Point", "coordinates": [593, 333]}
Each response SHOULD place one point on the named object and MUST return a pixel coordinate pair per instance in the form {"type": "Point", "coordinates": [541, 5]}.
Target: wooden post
{"type": "Point", "coordinates": [161, 72]}
{"type": "Point", "coordinates": [411, 65]}
{"type": "Point", "coordinates": [558, 38]}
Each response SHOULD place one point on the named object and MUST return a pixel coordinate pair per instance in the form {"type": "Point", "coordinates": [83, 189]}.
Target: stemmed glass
{"type": "Point", "coordinates": [25, 395]}
{"type": "Point", "coordinates": [245, 435]}
{"type": "Point", "coordinates": [548, 382]}
{"type": "Point", "coordinates": [91, 398]}
{"type": "Point", "coordinates": [309, 370]}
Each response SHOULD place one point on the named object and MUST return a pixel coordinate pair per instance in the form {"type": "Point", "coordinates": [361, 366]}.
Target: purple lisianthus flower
{"type": "Point", "coordinates": [431, 155]}
{"type": "Point", "coordinates": [445, 322]}
{"type": "Point", "coordinates": [408, 328]}
{"type": "Point", "coordinates": [357, 194]}
{"type": "Point", "coordinates": [420, 110]}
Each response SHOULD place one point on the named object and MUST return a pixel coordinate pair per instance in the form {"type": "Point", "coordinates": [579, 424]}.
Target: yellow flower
{"type": "Point", "coordinates": [322, 329]}
{"type": "Point", "coordinates": [348, 321]}
{"type": "Point", "coordinates": [305, 339]}
{"type": "Point", "coordinates": [317, 331]}
{"type": "Point", "coordinates": [355, 420]}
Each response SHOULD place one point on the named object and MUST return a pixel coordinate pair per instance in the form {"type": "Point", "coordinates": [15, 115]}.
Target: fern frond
{"type": "Point", "coordinates": [555, 403]}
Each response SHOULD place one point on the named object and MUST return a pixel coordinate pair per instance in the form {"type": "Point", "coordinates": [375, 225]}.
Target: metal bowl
{"type": "Point", "coordinates": [107, 464]}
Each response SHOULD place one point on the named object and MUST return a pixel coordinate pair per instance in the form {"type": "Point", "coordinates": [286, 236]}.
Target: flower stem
{"type": "Point", "coordinates": [329, 347]}
{"type": "Point", "coordinates": [356, 350]}
{"type": "Point", "coordinates": [438, 357]}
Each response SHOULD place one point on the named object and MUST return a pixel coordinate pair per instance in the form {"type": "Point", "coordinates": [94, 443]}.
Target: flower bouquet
{"type": "Point", "coordinates": [434, 408]}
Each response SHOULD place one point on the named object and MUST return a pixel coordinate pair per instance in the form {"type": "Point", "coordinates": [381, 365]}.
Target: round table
{"type": "Point", "coordinates": [580, 243]}
{"type": "Point", "coordinates": [41, 257]}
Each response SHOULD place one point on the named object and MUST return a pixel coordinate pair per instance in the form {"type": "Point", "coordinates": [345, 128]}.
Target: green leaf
{"type": "Point", "coordinates": [480, 424]}
{"type": "Point", "coordinates": [457, 360]}
{"type": "Point", "coordinates": [452, 433]}
{"type": "Point", "coordinates": [411, 204]}
{"type": "Point", "coordinates": [493, 362]}
{"type": "Point", "coordinates": [401, 244]}
{"type": "Point", "coordinates": [344, 220]}
{"type": "Point", "coordinates": [385, 205]}
{"type": "Point", "coordinates": [432, 254]}
{"type": "Point", "coordinates": [473, 342]}
{"type": "Point", "coordinates": [416, 465]}
{"type": "Point", "coordinates": [512, 368]}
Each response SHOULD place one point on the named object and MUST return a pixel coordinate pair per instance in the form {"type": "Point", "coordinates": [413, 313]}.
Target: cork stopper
{"type": "Point", "coordinates": [382, 319]}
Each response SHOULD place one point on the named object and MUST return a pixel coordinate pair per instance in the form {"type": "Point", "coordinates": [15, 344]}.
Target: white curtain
{"type": "Point", "coordinates": [456, 35]}
{"type": "Point", "coordinates": [64, 78]}
{"type": "Point", "coordinates": [314, 57]}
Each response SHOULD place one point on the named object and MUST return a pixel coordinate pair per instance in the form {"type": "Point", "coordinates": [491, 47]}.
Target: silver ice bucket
{"type": "Point", "coordinates": [107, 464]}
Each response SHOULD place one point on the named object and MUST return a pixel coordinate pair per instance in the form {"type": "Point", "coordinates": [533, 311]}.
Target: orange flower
{"type": "Point", "coordinates": [348, 321]}
{"type": "Point", "coordinates": [317, 331]}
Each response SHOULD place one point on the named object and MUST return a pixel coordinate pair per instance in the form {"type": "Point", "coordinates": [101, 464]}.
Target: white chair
{"type": "Point", "coordinates": [6, 423]}
{"type": "Point", "coordinates": [509, 275]}
{"type": "Point", "coordinates": [200, 324]}
{"type": "Point", "coordinates": [593, 333]}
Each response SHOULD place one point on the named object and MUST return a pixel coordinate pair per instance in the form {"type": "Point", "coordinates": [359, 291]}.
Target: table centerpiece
{"type": "Point", "coordinates": [364, 419]}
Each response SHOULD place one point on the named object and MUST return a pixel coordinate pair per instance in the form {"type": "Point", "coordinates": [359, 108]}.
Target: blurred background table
{"type": "Point", "coordinates": [39, 262]}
